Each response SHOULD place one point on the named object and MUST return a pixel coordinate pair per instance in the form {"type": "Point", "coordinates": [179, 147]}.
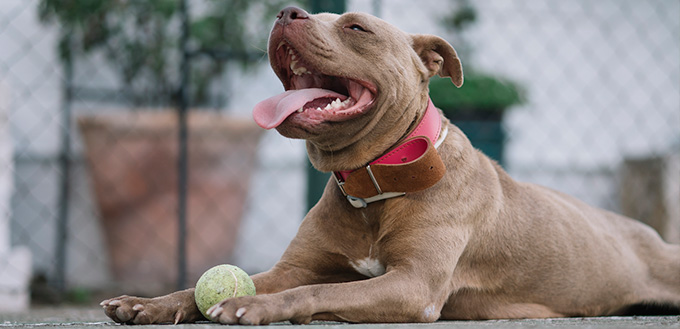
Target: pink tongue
{"type": "Point", "coordinates": [270, 112]}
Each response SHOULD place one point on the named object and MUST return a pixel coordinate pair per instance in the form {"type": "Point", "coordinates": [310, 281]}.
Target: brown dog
{"type": "Point", "coordinates": [465, 241]}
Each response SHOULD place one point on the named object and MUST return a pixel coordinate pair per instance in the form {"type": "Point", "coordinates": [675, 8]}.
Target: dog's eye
{"type": "Point", "coordinates": [356, 27]}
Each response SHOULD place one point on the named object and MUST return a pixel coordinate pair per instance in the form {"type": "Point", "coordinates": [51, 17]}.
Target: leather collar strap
{"type": "Point", "coordinates": [412, 165]}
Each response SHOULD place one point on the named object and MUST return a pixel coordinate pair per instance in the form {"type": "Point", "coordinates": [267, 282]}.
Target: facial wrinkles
{"type": "Point", "coordinates": [396, 96]}
{"type": "Point", "coordinates": [394, 81]}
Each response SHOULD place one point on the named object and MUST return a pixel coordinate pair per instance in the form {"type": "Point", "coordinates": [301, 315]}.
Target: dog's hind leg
{"type": "Point", "coordinates": [523, 311]}
{"type": "Point", "coordinates": [486, 309]}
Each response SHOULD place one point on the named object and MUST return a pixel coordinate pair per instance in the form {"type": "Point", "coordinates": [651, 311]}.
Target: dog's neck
{"type": "Point", "coordinates": [411, 165]}
{"type": "Point", "coordinates": [373, 140]}
{"type": "Point", "coordinates": [429, 126]}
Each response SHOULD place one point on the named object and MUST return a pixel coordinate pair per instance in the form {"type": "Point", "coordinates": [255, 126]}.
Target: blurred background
{"type": "Point", "coordinates": [129, 162]}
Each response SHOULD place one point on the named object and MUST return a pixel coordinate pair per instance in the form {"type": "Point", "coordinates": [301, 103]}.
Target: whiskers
{"type": "Point", "coordinates": [263, 53]}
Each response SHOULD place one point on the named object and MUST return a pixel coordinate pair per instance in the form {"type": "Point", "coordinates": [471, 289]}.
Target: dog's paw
{"type": "Point", "coordinates": [254, 310]}
{"type": "Point", "coordinates": [243, 310]}
{"type": "Point", "coordinates": [135, 310]}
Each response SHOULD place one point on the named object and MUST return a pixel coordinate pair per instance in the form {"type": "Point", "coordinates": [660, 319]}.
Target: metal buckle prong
{"type": "Point", "coordinates": [375, 182]}
{"type": "Point", "coordinates": [363, 202]}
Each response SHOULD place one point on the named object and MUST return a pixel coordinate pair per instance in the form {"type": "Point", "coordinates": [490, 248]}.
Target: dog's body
{"type": "Point", "coordinates": [475, 245]}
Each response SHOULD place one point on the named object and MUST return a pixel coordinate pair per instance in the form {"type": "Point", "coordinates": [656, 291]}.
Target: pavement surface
{"type": "Point", "coordinates": [76, 318]}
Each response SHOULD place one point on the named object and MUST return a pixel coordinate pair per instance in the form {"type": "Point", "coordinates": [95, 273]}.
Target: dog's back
{"type": "Point", "coordinates": [545, 253]}
{"type": "Point", "coordinates": [622, 263]}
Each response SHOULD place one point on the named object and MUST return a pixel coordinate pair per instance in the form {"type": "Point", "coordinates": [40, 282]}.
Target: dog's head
{"type": "Point", "coordinates": [354, 83]}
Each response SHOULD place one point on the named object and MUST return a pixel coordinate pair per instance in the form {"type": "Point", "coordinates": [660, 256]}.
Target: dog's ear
{"type": "Point", "coordinates": [439, 57]}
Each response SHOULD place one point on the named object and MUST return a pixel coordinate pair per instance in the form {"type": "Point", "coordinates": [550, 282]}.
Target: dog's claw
{"type": "Point", "coordinates": [240, 312]}
{"type": "Point", "coordinates": [178, 317]}
{"type": "Point", "coordinates": [215, 311]}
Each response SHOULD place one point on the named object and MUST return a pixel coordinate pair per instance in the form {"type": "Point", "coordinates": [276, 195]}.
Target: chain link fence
{"type": "Point", "coordinates": [91, 162]}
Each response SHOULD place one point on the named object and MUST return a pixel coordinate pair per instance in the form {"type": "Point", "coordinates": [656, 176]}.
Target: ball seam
{"type": "Point", "coordinates": [235, 282]}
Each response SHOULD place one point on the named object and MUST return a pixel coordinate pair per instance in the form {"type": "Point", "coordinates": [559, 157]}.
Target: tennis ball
{"type": "Point", "coordinates": [219, 283]}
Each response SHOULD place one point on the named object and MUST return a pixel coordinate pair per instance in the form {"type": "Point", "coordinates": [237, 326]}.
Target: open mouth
{"type": "Point", "coordinates": [311, 95]}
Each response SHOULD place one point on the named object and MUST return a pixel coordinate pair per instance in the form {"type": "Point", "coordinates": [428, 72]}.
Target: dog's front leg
{"type": "Point", "coordinates": [177, 307]}
{"type": "Point", "coordinates": [180, 306]}
{"type": "Point", "coordinates": [419, 262]}
{"type": "Point", "coordinates": [282, 277]}
{"type": "Point", "coordinates": [396, 296]}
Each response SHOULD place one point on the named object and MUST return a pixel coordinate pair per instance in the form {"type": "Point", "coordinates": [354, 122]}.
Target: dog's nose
{"type": "Point", "coordinates": [290, 14]}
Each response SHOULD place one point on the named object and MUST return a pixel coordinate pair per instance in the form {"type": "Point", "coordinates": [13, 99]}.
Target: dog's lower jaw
{"type": "Point", "coordinates": [364, 146]}
{"type": "Point", "coordinates": [328, 161]}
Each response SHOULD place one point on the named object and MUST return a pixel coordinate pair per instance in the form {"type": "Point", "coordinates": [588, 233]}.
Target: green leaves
{"type": "Point", "coordinates": [140, 38]}
{"type": "Point", "coordinates": [480, 93]}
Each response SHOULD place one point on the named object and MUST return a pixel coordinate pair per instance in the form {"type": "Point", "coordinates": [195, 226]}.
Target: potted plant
{"type": "Point", "coordinates": [133, 170]}
{"type": "Point", "coordinates": [478, 106]}
{"type": "Point", "coordinates": [140, 40]}
{"type": "Point", "coordinates": [132, 155]}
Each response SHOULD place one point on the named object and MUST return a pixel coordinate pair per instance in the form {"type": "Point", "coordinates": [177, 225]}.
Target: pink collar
{"type": "Point", "coordinates": [403, 153]}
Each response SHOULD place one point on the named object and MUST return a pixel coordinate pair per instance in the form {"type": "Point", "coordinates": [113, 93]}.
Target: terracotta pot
{"type": "Point", "coordinates": [133, 161]}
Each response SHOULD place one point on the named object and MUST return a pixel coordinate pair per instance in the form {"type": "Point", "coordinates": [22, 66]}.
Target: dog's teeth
{"type": "Point", "coordinates": [298, 70]}
{"type": "Point", "coordinates": [300, 110]}
{"type": "Point", "coordinates": [336, 104]}
{"type": "Point", "coordinates": [328, 107]}
{"type": "Point", "coordinates": [293, 57]}
{"type": "Point", "coordinates": [319, 109]}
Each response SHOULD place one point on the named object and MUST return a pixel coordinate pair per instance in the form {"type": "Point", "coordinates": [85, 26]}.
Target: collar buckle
{"type": "Point", "coordinates": [412, 153]}
{"type": "Point", "coordinates": [363, 202]}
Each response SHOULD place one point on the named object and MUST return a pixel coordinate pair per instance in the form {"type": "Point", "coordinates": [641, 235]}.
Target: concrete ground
{"type": "Point", "coordinates": [77, 318]}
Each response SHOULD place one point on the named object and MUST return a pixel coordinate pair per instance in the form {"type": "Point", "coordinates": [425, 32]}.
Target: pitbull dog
{"type": "Point", "coordinates": [416, 225]}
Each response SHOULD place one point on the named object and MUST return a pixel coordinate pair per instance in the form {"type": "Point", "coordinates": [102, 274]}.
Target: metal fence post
{"type": "Point", "coordinates": [182, 162]}
{"type": "Point", "coordinates": [65, 174]}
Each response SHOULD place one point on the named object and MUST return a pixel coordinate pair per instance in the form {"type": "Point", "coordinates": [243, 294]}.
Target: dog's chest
{"type": "Point", "coordinates": [367, 264]}
{"type": "Point", "coordinates": [363, 257]}
{"type": "Point", "coordinates": [370, 267]}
